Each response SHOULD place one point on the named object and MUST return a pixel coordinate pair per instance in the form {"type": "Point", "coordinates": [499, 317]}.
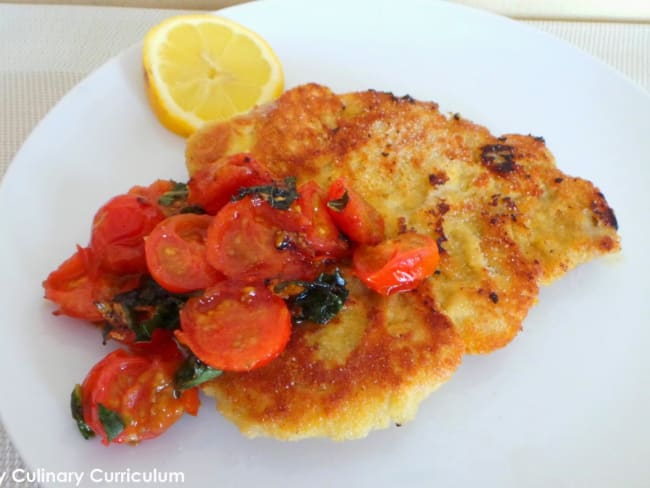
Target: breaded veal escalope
{"type": "Point", "coordinates": [506, 220]}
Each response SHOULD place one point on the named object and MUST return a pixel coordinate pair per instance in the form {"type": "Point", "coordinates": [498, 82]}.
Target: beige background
{"type": "Point", "coordinates": [37, 70]}
{"type": "Point", "coordinates": [621, 10]}
{"type": "Point", "coordinates": [160, 4]}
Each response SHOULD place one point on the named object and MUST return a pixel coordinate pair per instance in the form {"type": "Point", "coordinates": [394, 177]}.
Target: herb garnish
{"type": "Point", "coordinates": [193, 372]}
{"type": "Point", "coordinates": [278, 195]}
{"type": "Point", "coordinates": [318, 301]}
{"type": "Point", "coordinates": [144, 309]}
{"type": "Point", "coordinates": [340, 203]}
{"type": "Point", "coordinates": [179, 191]}
{"type": "Point", "coordinates": [195, 209]}
{"type": "Point", "coordinates": [77, 413]}
{"type": "Point", "coordinates": [111, 421]}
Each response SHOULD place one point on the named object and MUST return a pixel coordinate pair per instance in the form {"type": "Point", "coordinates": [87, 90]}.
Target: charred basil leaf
{"type": "Point", "coordinates": [193, 372]}
{"type": "Point", "coordinates": [340, 203]}
{"type": "Point", "coordinates": [317, 301]}
{"type": "Point", "coordinates": [165, 316]}
{"type": "Point", "coordinates": [178, 192]}
{"type": "Point", "coordinates": [278, 195]}
{"type": "Point", "coordinates": [195, 209]}
{"type": "Point", "coordinates": [107, 328]}
{"type": "Point", "coordinates": [77, 413]}
{"type": "Point", "coordinates": [143, 310]}
{"type": "Point", "coordinates": [111, 421]}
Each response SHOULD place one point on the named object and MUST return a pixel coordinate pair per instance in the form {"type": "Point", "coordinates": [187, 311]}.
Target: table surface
{"type": "Point", "coordinates": [37, 70]}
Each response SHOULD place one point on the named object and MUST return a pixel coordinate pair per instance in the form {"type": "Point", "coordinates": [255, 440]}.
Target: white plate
{"type": "Point", "coordinates": [566, 404]}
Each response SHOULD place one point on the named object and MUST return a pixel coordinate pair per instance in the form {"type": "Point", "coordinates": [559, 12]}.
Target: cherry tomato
{"type": "Point", "coordinates": [235, 327]}
{"type": "Point", "coordinates": [139, 389]}
{"type": "Point", "coordinates": [395, 265]}
{"type": "Point", "coordinates": [356, 218]}
{"type": "Point", "coordinates": [161, 345]}
{"type": "Point", "coordinates": [154, 191]}
{"type": "Point", "coordinates": [321, 234]}
{"type": "Point", "coordinates": [175, 252]}
{"type": "Point", "coordinates": [76, 285]}
{"type": "Point", "coordinates": [248, 240]}
{"type": "Point", "coordinates": [118, 232]}
{"type": "Point", "coordinates": [214, 185]}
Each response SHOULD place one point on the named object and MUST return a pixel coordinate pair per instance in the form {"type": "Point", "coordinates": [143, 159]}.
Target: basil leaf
{"type": "Point", "coordinates": [340, 203]}
{"type": "Point", "coordinates": [149, 293]}
{"type": "Point", "coordinates": [111, 421]}
{"type": "Point", "coordinates": [279, 196]}
{"type": "Point", "coordinates": [143, 310]}
{"type": "Point", "coordinates": [193, 372]}
{"type": "Point", "coordinates": [195, 209]}
{"type": "Point", "coordinates": [179, 191]}
{"type": "Point", "coordinates": [318, 301]}
{"type": "Point", "coordinates": [77, 413]}
{"type": "Point", "coordinates": [165, 316]}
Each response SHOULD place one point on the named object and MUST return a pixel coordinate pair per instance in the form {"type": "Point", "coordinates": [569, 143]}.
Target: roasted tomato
{"type": "Point", "coordinates": [118, 232]}
{"type": "Point", "coordinates": [395, 265]}
{"type": "Point", "coordinates": [129, 397]}
{"type": "Point", "coordinates": [154, 191]}
{"type": "Point", "coordinates": [248, 240]}
{"type": "Point", "coordinates": [235, 326]}
{"type": "Point", "coordinates": [162, 345]}
{"type": "Point", "coordinates": [321, 234]}
{"type": "Point", "coordinates": [356, 218]}
{"type": "Point", "coordinates": [214, 185]}
{"type": "Point", "coordinates": [76, 285]}
{"type": "Point", "coordinates": [175, 252]}
{"type": "Point", "coordinates": [169, 196]}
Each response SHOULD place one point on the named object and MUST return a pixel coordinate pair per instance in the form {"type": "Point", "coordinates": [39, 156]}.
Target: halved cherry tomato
{"type": "Point", "coordinates": [76, 285]}
{"type": "Point", "coordinates": [118, 232]}
{"type": "Point", "coordinates": [138, 388]}
{"type": "Point", "coordinates": [70, 287]}
{"type": "Point", "coordinates": [248, 240]}
{"type": "Point", "coordinates": [321, 234]}
{"type": "Point", "coordinates": [398, 264]}
{"type": "Point", "coordinates": [175, 252]}
{"type": "Point", "coordinates": [356, 218]}
{"type": "Point", "coordinates": [235, 327]}
{"type": "Point", "coordinates": [214, 185]}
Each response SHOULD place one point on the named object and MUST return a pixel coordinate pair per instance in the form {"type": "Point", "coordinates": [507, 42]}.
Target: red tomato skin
{"type": "Point", "coordinates": [152, 192]}
{"type": "Point", "coordinates": [235, 326]}
{"type": "Point", "coordinates": [322, 235]}
{"type": "Point", "coordinates": [176, 254]}
{"type": "Point", "coordinates": [118, 233]}
{"type": "Point", "coordinates": [191, 401]}
{"type": "Point", "coordinates": [214, 185]}
{"type": "Point", "coordinates": [94, 389]}
{"type": "Point", "coordinates": [162, 345]}
{"type": "Point", "coordinates": [359, 220]}
{"type": "Point", "coordinates": [77, 284]}
{"type": "Point", "coordinates": [69, 286]}
{"type": "Point", "coordinates": [139, 387]}
{"type": "Point", "coordinates": [246, 238]}
{"type": "Point", "coordinates": [396, 265]}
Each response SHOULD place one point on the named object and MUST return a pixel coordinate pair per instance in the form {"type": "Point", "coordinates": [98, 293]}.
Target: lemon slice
{"type": "Point", "coordinates": [201, 68]}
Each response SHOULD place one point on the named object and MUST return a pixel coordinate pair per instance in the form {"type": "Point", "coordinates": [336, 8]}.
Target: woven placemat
{"type": "Point", "coordinates": [69, 42]}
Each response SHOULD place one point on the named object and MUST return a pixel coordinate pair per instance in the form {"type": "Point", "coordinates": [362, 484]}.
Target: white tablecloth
{"type": "Point", "coordinates": [41, 58]}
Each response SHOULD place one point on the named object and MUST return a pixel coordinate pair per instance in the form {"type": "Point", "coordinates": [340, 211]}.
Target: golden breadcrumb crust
{"type": "Point", "coordinates": [506, 220]}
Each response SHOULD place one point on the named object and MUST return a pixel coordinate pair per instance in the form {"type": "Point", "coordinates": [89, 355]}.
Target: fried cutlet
{"type": "Point", "coordinates": [371, 365]}
{"type": "Point", "coordinates": [506, 220]}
